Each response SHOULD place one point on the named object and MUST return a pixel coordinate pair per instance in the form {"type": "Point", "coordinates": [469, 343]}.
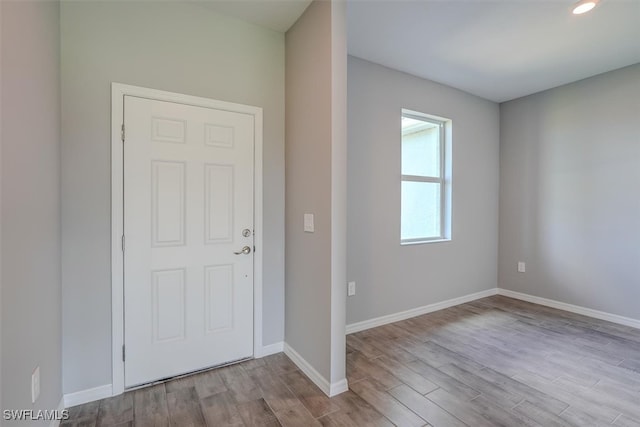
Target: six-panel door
{"type": "Point", "coordinates": [188, 208]}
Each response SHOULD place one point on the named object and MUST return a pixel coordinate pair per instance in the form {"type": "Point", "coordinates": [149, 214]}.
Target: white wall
{"type": "Point", "coordinates": [30, 205]}
{"type": "Point", "coordinates": [175, 46]}
{"type": "Point", "coordinates": [391, 278]}
{"type": "Point", "coordinates": [569, 204]}
{"type": "Point", "coordinates": [315, 161]}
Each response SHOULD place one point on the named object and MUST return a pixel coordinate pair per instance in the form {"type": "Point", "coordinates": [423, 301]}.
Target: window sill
{"type": "Point", "coordinates": [423, 242]}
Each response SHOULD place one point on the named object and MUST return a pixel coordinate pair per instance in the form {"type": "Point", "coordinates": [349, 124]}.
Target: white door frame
{"type": "Point", "coordinates": [118, 91]}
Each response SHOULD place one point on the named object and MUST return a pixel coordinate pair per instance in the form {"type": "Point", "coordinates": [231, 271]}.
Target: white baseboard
{"type": "Point", "coordinates": [330, 389]}
{"type": "Point", "coordinates": [396, 317]}
{"type": "Point", "coordinates": [614, 318]}
{"type": "Point", "coordinates": [89, 395]}
{"type": "Point", "coordinates": [338, 387]}
{"type": "Point", "coordinates": [97, 393]}
{"type": "Point", "coordinates": [56, 423]}
{"type": "Point", "coordinates": [268, 350]}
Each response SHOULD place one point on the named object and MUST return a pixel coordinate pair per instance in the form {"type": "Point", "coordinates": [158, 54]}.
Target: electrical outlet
{"type": "Point", "coordinates": [351, 289]}
{"type": "Point", "coordinates": [521, 267]}
{"type": "Point", "coordinates": [35, 384]}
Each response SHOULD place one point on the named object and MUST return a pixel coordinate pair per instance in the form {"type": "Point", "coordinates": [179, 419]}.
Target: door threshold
{"type": "Point", "coordinates": [188, 374]}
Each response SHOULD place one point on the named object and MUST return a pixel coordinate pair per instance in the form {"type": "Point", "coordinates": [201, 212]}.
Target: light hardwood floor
{"type": "Point", "coordinates": [493, 362]}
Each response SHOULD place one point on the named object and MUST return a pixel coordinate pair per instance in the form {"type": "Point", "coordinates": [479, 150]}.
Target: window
{"type": "Point", "coordinates": [425, 200]}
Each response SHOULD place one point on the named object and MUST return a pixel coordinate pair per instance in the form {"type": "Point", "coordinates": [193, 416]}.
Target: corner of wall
{"type": "Point", "coordinates": [328, 387]}
{"type": "Point", "coordinates": [338, 191]}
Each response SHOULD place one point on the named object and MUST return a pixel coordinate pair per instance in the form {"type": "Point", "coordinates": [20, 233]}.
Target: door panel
{"type": "Point", "coordinates": [188, 197]}
{"type": "Point", "coordinates": [218, 214]}
{"type": "Point", "coordinates": [167, 203]}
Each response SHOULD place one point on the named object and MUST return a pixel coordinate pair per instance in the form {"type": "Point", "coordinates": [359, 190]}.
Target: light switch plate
{"type": "Point", "coordinates": [351, 289]}
{"type": "Point", "coordinates": [522, 267]}
{"type": "Point", "coordinates": [308, 223]}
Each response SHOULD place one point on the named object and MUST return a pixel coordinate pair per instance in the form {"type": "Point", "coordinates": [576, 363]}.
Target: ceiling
{"type": "Point", "coordinates": [498, 50]}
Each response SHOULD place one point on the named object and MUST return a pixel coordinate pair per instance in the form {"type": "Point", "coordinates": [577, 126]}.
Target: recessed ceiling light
{"type": "Point", "coordinates": [584, 6]}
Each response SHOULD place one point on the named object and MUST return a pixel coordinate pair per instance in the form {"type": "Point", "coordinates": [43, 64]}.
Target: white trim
{"type": "Point", "coordinates": [86, 396]}
{"type": "Point", "coordinates": [330, 389]}
{"type": "Point", "coordinates": [338, 387]}
{"type": "Point", "coordinates": [268, 350]}
{"type": "Point", "coordinates": [61, 407]}
{"type": "Point", "coordinates": [589, 312]}
{"type": "Point", "coordinates": [396, 317]}
{"type": "Point", "coordinates": [118, 91]}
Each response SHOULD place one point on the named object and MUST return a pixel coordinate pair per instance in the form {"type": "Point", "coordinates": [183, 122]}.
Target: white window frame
{"type": "Point", "coordinates": [444, 180]}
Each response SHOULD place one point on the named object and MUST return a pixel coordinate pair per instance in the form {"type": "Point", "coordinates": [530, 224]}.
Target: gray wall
{"type": "Point", "coordinates": [175, 46]}
{"type": "Point", "coordinates": [308, 186]}
{"type": "Point", "coordinates": [569, 204]}
{"type": "Point", "coordinates": [30, 216]}
{"type": "Point", "coordinates": [316, 167]}
{"type": "Point", "coordinates": [391, 278]}
{"type": "Point", "coordinates": [338, 189]}
{"type": "Point", "coordinates": [1, 144]}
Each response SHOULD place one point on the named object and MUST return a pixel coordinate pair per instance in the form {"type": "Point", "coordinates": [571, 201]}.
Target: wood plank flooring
{"type": "Point", "coordinates": [492, 362]}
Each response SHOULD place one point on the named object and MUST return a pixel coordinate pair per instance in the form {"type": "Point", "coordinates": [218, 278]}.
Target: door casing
{"type": "Point", "coordinates": [118, 91]}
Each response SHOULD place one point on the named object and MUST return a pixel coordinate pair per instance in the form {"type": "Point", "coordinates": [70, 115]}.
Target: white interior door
{"type": "Point", "coordinates": [188, 210]}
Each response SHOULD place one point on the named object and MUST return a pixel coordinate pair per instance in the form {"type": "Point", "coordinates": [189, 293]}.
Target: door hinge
{"type": "Point", "coordinates": [123, 353]}
{"type": "Point", "coordinates": [122, 132]}
{"type": "Point", "coordinates": [123, 243]}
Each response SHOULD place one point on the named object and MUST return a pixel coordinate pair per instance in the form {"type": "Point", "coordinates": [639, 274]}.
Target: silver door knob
{"type": "Point", "coordinates": [245, 251]}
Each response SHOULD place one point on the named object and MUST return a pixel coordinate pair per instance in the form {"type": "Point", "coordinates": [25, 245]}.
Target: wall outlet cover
{"type": "Point", "coordinates": [35, 384]}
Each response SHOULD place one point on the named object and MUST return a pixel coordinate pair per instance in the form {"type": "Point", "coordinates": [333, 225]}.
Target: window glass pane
{"type": "Point", "coordinates": [420, 213]}
{"type": "Point", "coordinates": [420, 148]}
